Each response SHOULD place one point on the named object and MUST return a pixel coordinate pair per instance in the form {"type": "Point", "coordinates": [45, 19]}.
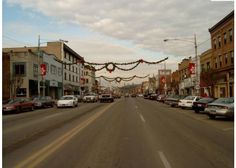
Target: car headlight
{"type": "Point", "coordinates": [10, 107]}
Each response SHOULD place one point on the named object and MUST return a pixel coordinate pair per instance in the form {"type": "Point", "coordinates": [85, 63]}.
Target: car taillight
{"type": "Point", "coordinates": [224, 107]}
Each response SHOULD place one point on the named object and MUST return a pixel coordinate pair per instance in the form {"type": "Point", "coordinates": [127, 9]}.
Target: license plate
{"type": "Point", "coordinates": [199, 105]}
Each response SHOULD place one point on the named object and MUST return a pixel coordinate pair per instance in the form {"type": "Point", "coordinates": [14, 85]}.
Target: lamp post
{"type": "Point", "coordinates": [194, 41]}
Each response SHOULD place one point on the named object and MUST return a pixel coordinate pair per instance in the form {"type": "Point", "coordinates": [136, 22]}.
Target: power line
{"type": "Point", "coordinates": [20, 42]}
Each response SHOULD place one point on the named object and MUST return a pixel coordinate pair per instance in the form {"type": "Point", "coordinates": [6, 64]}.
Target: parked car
{"type": "Point", "coordinates": [221, 107]}
{"type": "Point", "coordinates": [106, 98]}
{"type": "Point", "coordinates": [161, 98]}
{"type": "Point", "coordinates": [201, 104]}
{"type": "Point", "coordinates": [146, 96]}
{"type": "Point", "coordinates": [79, 98]}
{"type": "Point", "coordinates": [153, 96]}
{"type": "Point", "coordinates": [133, 95]}
{"type": "Point", "coordinates": [126, 94]}
{"type": "Point", "coordinates": [18, 105]}
{"type": "Point", "coordinates": [43, 101]}
{"type": "Point", "coordinates": [188, 101]}
{"type": "Point", "coordinates": [173, 100]}
{"type": "Point", "coordinates": [91, 97]}
{"type": "Point", "coordinates": [67, 101]}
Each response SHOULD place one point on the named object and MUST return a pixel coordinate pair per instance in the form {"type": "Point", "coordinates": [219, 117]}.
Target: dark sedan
{"type": "Point", "coordinates": [18, 105]}
{"type": "Point", "coordinates": [43, 102]}
{"type": "Point", "coordinates": [201, 104]}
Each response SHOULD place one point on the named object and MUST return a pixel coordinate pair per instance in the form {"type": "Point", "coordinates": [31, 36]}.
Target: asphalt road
{"type": "Point", "coordinates": [129, 133]}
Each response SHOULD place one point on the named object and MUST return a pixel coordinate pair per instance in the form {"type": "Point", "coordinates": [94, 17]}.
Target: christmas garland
{"type": "Point", "coordinates": [111, 66]}
{"type": "Point", "coordinates": [119, 79]}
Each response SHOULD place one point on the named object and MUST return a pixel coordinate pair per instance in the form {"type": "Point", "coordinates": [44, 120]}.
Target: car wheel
{"type": "Point", "coordinates": [196, 111]}
{"type": "Point", "coordinates": [212, 116]}
{"type": "Point", "coordinates": [32, 108]}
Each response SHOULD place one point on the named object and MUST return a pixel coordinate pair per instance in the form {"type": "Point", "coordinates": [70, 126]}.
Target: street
{"type": "Point", "coordinates": [128, 133]}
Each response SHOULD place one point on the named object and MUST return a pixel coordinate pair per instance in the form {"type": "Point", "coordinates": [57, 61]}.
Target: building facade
{"type": "Point", "coordinates": [6, 82]}
{"type": "Point", "coordinates": [206, 81]}
{"type": "Point", "coordinates": [175, 82]}
{"type": "Point", "coordinates": [89, 84]}
{"type": "Point", "coordinates": [164, 78]}
{"type": "Point", "coordinates": [222, 42]}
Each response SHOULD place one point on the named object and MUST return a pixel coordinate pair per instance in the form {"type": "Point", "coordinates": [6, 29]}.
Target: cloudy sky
{"type": "Point", "coordinates": [116, 30]}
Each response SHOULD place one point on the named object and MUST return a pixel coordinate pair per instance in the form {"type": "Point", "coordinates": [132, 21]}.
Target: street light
{"type": "Point", "coordinates": [194, 41]}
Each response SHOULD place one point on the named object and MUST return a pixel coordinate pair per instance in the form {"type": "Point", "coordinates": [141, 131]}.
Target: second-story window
{"type": "Point", "coordinates": [65, 76]}
{"type": "Point", "coordinates": [35, 70]}
{"type": "Point", "coordinates": [215, 62]}
{"type": "Point", "coordinates": [53, 69]}
{"type": "Point", "coordinates": [69, 77]}
{"type": "Point", "coordinates": [232, 57]}
{"type": "Point", "coordinates": [220, 59]}
{"type": "Point", "coordinates": [226, 59]}
{"type": "Point", "coordinates": [19, 69]}
{"type": "Point", "coordinates": [59, 72]}
{"type": "Point", "coordinates": [208, 65]}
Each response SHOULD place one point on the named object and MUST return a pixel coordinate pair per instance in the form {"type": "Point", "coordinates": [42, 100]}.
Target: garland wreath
{"type": "Point", "coordinates": [119, 79]}
{"type": "Point", "coordinates": [111, 66]}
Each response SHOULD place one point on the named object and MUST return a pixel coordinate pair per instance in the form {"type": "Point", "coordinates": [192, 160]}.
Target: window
{"type": "Point", "coordinates": [225, 38]}
{"type": "Point", "coordinates": [19, 68]}
{"type": "Point", "coordinates": [35, 70]}
{"type": "Point", "coordinates": [69, 77]}
{"type": "Point", "coordinates": [64, 66]}
{"type": "Point", "coordinates": [47, 67]}
{"type": "Point", "coordinates": [219, 41]}
{"type": "Point", "coordinates": [208, 65]}
{"type": "Point", "coordinates": [73, 68]}
{"type": "Point", "coordinates": [65, 76]}
{"type": "Point", "coordinates": [215, 62]}
{"type": "Point", "coordinates": [59, 72]}
{"type": "Point", "coordinates": [220, 59]}
{"type": "Point", "coordinates": [69, 57]}
{"type": "Point", "coordinates": [86, 81]}
{"type": "Point", "coordinates": [76, 78]}
{"type": "Point", "coordinates": [226, 59]}
{"type": "Point", "coordinates": [214, 43]}
{"type": "Point", "coordinates": [202, 68]}
{"type": "Point", "coordinates": [231, 35]}
{"type": "Point", "coordinates": [53, 69]}
{"type": "Point", "coordinates": [232, 57]}
{"type": "Point", "coordinates": [73, 78]}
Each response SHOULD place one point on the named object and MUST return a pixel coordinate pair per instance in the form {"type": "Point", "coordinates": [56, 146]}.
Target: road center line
{"type": "Point", "coordinates": [34, 159]}
{"type": "Point", "coordinates": [164, 159]}
{"type": "Point", "coordinates": [142, 118]}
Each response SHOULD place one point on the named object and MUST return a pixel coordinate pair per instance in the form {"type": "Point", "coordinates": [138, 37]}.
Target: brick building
{"type": "Point", "coordinates": [222, 42]}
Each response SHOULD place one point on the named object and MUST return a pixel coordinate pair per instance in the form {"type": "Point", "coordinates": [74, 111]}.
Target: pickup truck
{"type": "Point", "coordinates": [106, 98]}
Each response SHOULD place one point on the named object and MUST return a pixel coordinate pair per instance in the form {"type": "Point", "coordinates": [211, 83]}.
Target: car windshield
{"type": "Point", "coordinates": [12, 101]}
{"type": "Point", "coordinates": [189, 98]}
{"type": "Point", "coordinates": [205, 100]}
{"type": "Point", "coordinates": [66, 98]}
{"type": "Point", "coordinates": [225, 100]}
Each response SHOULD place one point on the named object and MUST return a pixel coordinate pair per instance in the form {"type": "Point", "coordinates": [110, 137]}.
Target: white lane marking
{"type": "Point", "coordinates": [51, 116]}
{"type": "Point", "coordinates": [228, 129]}
{"type": "Point", "coordinates": [143, 120]}
{"type": "Point", "coordinates": [164, 159]}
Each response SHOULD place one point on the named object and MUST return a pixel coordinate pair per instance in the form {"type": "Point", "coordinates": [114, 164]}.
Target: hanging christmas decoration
{"type": "Point", "coordinates": [119, 79]}
{"type": "Point", "coordinates": [111, 66]}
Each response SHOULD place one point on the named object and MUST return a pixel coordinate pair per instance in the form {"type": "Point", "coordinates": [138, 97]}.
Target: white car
{"type": "Point", "coordinates": [187, 102]}
{"type": "Point", "coordinates": [67, 101]}
{"type": "Point", "coordinates": [92, 97]}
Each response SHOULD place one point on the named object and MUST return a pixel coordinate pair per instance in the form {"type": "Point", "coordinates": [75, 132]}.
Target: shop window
{"type": "Point", "coordinates": [222, 92]}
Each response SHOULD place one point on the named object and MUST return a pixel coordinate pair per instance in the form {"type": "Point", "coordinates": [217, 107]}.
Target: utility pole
{"type": "Point", "coordinates": [197, 73]}
{"type": "Point", "coordinates": [38, 65]}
